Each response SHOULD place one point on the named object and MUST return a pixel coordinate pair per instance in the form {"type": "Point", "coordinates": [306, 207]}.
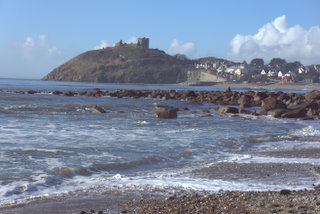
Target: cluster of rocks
{"type": "Point", "coordinates": [91, 212]}
{"type": "Point", "coordinates": [284, 201]}
{"type": "Point", "coordinates": [276, 104]}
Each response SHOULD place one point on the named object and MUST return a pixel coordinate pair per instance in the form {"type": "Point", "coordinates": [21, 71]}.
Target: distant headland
{"type": "Point", "coordinates": [137, 63]}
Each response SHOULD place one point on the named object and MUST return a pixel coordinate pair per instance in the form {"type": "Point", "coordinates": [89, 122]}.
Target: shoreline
{"type": "Point", "coordinates": [184, 201]}
{"type": "Point", "coordinates": [223, 201]}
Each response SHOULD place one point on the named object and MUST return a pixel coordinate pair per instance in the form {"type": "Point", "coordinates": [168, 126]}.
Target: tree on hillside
{"type": "Point", "coordinates": [291, 66]}
{"type": "Point", "coordinates": [257, 62]}
{"type": "Point", "coordinates": [277, 62]}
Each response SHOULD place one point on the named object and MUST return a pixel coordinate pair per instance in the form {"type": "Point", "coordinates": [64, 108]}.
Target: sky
{"type": "Point", "coordinates": [38, 35]}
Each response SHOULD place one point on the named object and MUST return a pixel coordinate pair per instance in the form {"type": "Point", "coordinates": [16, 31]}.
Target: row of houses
{"type": "Point", "coordinates": [237, 70]}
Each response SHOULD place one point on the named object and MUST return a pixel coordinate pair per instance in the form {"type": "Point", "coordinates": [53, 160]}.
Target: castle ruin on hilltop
{"type": "Point", "coordinates": [142, 42]}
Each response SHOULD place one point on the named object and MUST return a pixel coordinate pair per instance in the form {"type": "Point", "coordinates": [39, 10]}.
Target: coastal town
{"type": "Point", "coordinates": [278, 70]}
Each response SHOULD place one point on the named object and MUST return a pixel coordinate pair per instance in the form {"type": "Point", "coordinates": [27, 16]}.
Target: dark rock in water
{"type": "Point", "coordinates": [272, 103]}
{"type": "Point", "coordinates": [123, 211]}
{"type": "Point", "coordinates": [97, 109]}
{"type": "Point", "coordinates": [276, 112]}
{"type": "Point", "coordinates": [167, 113]}
{"type": "Point", "coordinates": [295, 113]}
{"type": "Point", "coordinates": [207, 115]}
{"type": "Point", "coordinates": [205, 111]}
{"type": "Point", "coordinates": [158, 108]}
{"type": "Point", "coordinates": [245, 101]}
{"type": "Point", "coordinates": [119, 112]}
{"type": "Point", "coordinates": [244, 111]}
{"type": "Point", "coordinates": [31, 92]}
{"type": "Point", "coordinates": [313, 95]}
{"type": "Point", "coordinates": [262, 111]}
{"type": "Point", "coordinates": [311, 112]}
{"type": "Point", "coordinates": [228, 89]}
{"type": "Point", "coordinates": [182, 109]}
{"type": "Point", "coordinates": [285, 192]}
{"type": "Point", "coordinates": [305, 118]}
{"type": "Point", "coordinates": [56, 92]}
{"type": "Point", "coordinates": [82, 93]}
{"type": "Point", "coordinates": [227, 109]}
{"type": "Point", "coordinates": [68, 93]}
{"type": "Point", "coordinates": [189, 94]}
{"type": "Point", "coordinates": [215, 108]}
{"type": "Point", "coordinates": [259, 96]}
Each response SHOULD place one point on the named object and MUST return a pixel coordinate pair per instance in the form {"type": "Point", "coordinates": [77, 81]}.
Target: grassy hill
{"type": "Point", "coordinates": [124, 64]}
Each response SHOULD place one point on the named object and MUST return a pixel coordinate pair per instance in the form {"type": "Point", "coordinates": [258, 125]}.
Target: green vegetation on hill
{"type": "Point", "coordinates": [124, 64]}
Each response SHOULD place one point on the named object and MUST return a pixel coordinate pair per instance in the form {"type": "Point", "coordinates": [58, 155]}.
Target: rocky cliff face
{"type": "Point", "coordinates": [127, 64]}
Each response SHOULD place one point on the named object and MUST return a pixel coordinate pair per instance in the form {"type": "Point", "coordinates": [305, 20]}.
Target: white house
{"type": "Point", "coordinates": [271, 73]}
{"type": "Point", "coordinates": [241, 71]}
{"type": "Point", "coordinates": [230, 70]}
{"type": "Point", "coordinates": [301, 70]}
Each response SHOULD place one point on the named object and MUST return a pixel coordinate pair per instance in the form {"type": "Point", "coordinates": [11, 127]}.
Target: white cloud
{"type": "Point", "coordinates": [132, 39]}
{"type": "Point", "coordinates": [278, 39]}
{"type": "Point", "coordinates": [103, 44]}
{"type": "Point", "coordinates": [29, 43]}
{"type": "Point", "coordinates": [32, 49]}
{"type": "Point", "coordinates": [43, 39]}
{"type": "Point", "coordinates": [188, 48]}
{"type": "Point", "coordinates": [33, 57]}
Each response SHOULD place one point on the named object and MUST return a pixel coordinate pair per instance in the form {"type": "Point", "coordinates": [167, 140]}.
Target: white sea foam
{"type": "Point", "coordinates": [308, 131]}
{"type": "Point", "coordinates": [165, 180]}
{"type": "Point", "coordinates": [143, 122]}
{"type": "Point", "coordinates": [247, 158]}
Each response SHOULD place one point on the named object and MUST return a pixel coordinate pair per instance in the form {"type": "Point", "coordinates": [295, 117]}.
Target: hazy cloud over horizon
{"type": "Point", "coordinates": [40, 48]}
{"type": "Point", "coordinates": [278, 39]}
{"type": "Point", "coordinates": [189, 49]}
{"type": "Point", "coordinates": [33, 54]}
{"type": "Point", "coordinates": [103, 44]}
{"type": "Point", "coordinates": [132, 39]}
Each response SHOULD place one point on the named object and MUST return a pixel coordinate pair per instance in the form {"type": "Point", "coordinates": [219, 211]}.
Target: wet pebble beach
{"type": "Point", "coordinates": [284, 201]}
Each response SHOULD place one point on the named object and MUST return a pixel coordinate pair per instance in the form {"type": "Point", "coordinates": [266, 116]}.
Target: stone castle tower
{"type": "Point", "coordinates": [143, 42]}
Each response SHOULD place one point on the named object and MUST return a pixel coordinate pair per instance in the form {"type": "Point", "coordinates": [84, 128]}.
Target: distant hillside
{"type": "Point", "coordinates": [123, 64]}
{"type": "Point", "coordinates": [215, 60]}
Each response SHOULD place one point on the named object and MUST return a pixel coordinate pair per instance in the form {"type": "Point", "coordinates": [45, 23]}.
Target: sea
{"type": "Point", "coordinates": [54, 145]}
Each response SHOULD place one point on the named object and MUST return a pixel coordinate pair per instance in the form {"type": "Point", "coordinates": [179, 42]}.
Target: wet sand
{"type": "Point", "coordinates": [108, 202]}
{"type": "Point", "coordinates": [293, 153]}
{"type": "Point", "coordinates": [259, 172]}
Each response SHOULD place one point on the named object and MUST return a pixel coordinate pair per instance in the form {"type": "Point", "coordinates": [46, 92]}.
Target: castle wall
{"type": "Point", "coordinates": [143, 42]}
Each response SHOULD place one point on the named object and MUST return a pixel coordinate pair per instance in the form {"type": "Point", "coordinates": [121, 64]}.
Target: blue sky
{"type": "Point", "coordinates": [38, 35]}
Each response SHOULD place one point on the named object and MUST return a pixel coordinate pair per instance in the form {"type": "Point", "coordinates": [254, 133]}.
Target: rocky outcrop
{"type": "Point", "coordinates": [226, 109]}
{"type": "Point", "coordinates": [270, 103]}
{"type": "Point", "coordinates": [97, 109]}
{"type": "Point", "coordinates": [245, 101]}
{"type": "Point", "coordinates": [165, 112]}
{"type": "Point", "coordinates": [276, 104]}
